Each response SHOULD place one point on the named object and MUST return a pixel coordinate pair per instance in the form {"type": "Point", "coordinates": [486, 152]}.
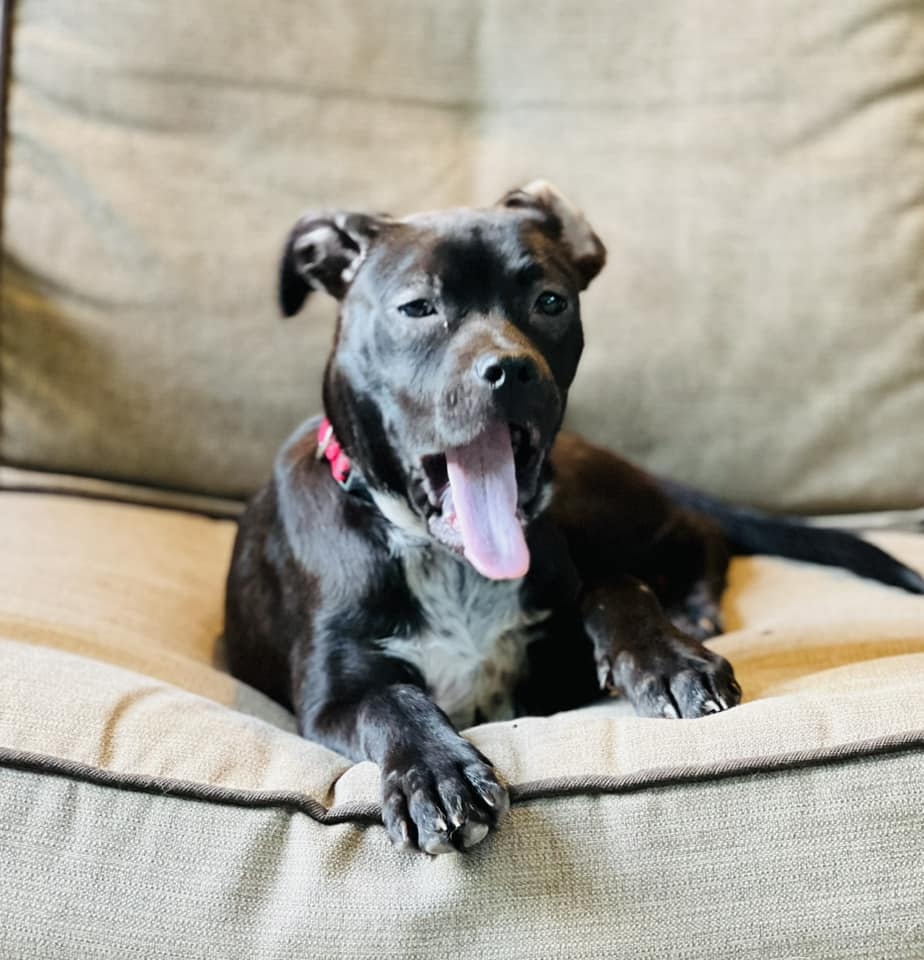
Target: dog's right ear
{"type": "Point", "coordinates": [324, 251]}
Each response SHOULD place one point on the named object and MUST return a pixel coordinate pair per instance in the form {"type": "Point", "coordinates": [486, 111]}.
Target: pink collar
{"type": "Point", "coordinates": [329, 448]}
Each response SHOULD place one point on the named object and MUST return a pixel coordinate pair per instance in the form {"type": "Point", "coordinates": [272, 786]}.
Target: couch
{"type": "Point", "coordinates": [756, 171]}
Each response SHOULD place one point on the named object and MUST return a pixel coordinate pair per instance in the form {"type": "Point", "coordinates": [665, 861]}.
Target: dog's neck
{"type": "Point", "coordinates": [341, 466]}
{"type": "Point", "coordinates": [329, 448]}
{"type": "Point", "coordinates": [408, 528]}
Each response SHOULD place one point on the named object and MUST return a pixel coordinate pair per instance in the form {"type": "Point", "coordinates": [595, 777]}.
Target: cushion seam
{"type": "Point", "coordinates": [362, 812]}
{"type": "Point", "coordinates": [231, 508]}
{"type": "Point", "coordinates": [175, 501]}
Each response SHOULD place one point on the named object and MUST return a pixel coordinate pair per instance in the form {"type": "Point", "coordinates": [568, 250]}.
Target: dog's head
{"type": "Point", "coordinates": [458, 338]}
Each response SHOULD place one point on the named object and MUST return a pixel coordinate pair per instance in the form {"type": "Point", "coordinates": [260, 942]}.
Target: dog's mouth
{"type": "Point", "coordinates": [472, 498]}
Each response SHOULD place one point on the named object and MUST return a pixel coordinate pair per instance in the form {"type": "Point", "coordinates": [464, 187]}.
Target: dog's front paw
{"type": "Point", "coordinates": [441, 799]}
{"type": "Point", "coordinates": [677, 677]}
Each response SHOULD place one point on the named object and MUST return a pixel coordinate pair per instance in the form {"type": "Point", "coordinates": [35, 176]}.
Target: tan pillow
{"type": "Point", "coordinates": [754, 169]}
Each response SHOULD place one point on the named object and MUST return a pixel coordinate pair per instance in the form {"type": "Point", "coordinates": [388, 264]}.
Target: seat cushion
{"type": "Point", "coordinates": [755, 170]}
{"type": "Point", "coordinates": [148, 798]}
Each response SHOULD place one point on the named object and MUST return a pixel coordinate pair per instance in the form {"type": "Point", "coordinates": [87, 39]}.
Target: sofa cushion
{"type": "Point", "coordinates": [754, 169]}
{"type": "Point", "coordinates": [139, 781]}
{"type": "Point", "coordinates": [819, 863]}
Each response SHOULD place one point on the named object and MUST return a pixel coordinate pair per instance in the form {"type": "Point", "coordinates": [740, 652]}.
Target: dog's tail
{"type": "Point", "coordinates": [751, 531]}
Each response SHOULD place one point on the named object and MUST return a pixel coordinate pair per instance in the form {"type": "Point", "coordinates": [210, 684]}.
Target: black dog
{"type": "Point", "coordinates": [432, 555]}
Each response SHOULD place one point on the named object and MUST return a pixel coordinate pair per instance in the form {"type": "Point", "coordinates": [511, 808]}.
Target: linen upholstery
{"type": "Point", "coordinates": [755, 170]}
{"type": "Point", "coordinates": [820, 864]}
{"type": "Point", "coordinates": [146, 799]}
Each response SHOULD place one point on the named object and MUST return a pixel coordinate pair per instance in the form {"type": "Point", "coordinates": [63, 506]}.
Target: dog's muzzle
{"type": "Point", "coordinates": [480, 486]}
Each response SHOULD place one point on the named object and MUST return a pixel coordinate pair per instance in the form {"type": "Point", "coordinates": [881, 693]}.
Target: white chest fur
{"type": "Point", "coordinates": [472, 647]}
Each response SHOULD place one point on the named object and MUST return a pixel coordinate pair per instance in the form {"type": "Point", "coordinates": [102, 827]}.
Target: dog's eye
{"type": "Point", "coordinates": [418, 308]}
{"type": "Point", "coordinates": [551, 304]}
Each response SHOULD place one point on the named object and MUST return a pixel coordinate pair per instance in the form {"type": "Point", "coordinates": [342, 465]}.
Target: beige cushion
{"type": "Point", "coordinates": [139, 782]}
{"type": "Point", "coordinates": [813, 863]}
{"type": "Point", "coordinates": [754, 168]}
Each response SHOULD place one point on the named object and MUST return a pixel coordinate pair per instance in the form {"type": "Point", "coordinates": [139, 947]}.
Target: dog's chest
{"type": "Point", "coordinates": [471, 648]}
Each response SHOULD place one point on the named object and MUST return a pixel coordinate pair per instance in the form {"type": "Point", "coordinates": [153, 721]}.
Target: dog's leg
{"type": "Point", "coordinates": [439, 793]}
{"type": "Point", "coordinates": [638, 650]}
{"type": "Point", "coordinates": [699, 614]}
{"type": "Point", "coordinates": [617, 519]}
{"type": "Point", "coordinates": [688, 570]}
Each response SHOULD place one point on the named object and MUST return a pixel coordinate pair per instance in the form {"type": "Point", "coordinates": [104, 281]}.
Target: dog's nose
{"type": "Point", "coordinates": [497, 370]}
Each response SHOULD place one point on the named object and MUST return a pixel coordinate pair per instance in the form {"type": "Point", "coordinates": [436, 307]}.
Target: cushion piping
{"type": "Point", "coordinates": [552, 788]}
{"type": "Point", "coordinates": [52, 484]}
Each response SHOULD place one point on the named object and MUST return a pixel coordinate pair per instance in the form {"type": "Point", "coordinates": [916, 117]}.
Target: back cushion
{"type": "Point", "coordinates": [756, 170]}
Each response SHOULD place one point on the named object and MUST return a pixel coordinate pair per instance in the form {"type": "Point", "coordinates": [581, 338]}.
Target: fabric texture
{"type": "Point", "coordinates": [150, 805]}
{"type": "Point", "coordinates": [817, 864]}
{"type": "Point", "coordinates": [754, 169]}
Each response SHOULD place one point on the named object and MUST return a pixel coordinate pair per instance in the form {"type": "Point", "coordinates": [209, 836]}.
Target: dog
{"type": "Point", "coordinates": [435, 552]}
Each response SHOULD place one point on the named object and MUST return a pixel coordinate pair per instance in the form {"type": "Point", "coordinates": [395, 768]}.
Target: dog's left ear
{"type": "Point", "coordinates": [564, 222]}
{"type": "Point", "coordinates": [324, 251]}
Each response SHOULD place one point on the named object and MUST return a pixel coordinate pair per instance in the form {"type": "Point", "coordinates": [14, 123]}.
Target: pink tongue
{"type": "Point", "coordinates": [484, 492]}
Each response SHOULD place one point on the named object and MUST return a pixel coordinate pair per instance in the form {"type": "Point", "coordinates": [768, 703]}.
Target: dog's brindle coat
{"type": "Point", "coordinates": [357, 606]}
